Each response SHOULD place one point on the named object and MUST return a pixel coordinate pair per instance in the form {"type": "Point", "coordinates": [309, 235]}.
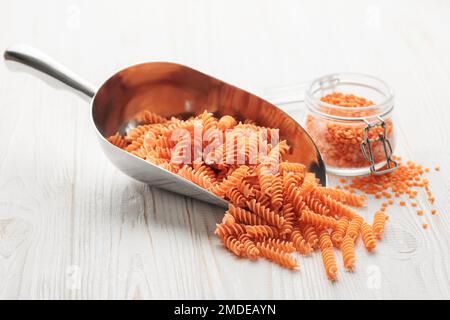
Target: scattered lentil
{"type": "Point", "coordinates": [405, 181]}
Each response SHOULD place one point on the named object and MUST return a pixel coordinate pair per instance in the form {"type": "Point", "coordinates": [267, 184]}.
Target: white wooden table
{"type": "Point", "coordinates": [74, 227]}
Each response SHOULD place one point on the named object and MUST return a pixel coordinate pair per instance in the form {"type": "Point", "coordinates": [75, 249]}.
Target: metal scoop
{"type": "Point", "coordinates": [170, 89]}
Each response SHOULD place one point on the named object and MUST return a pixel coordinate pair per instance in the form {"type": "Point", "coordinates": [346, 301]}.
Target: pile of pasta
{"type": "Point", "coordinates": [276, 207]}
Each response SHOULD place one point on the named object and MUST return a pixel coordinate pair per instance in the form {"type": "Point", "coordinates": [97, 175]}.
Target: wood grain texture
{"type": "Point", "coordinates": [74, 227]}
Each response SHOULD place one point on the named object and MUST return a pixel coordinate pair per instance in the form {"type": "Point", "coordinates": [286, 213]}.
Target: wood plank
{"type": "Point", "coordinates": [72, 226]}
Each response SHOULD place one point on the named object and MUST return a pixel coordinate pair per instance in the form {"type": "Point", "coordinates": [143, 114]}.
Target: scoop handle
{"type": "Point", "coordinates": [40, 61]}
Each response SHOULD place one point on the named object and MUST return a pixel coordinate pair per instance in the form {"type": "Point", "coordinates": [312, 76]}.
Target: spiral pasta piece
{"type": "Point", "coordinates": [234, 245]}
{"type": "Point", "coordinates": [149, 157]}
{"type": "Point", "coordinates": [262, 198]}
{"type": "Point", "coordinates": [299, 242]}
{"type": "Point", "coordinates": [348, 253]}
{"type": "Point", "coordinates": [291, 178]}
{"type": "Point", "coordinates": [207, 170]}
{"type": "Point", "coordinates": [343, 196]}
{"type": "Point", "coordinates": [235, 197]}
{"type": "Point", "coordinates": [278, 256]}
{"type": "Point", "coordinates": [310, 235]}
{"type": "Point", "coordinates": [245, 188]}
{"type": "Point", "coordinates": [309, 217]}
{"type": "Point", "coordinates": [135, 144]}
{"type": "Point", "coordinates": [244, 216]}
{"type": "Point", "coordinates": [149, 117]}
{"type": "Point", "coordinates": [368, 237]}
{"type": "Point", "coordinates": [379, 220]}
{"type": "Point", "coordinates": [354, 227]}
{"type": "Point", "coordinates": [286, 167]}
{"type": "Point", "coordinates": [227, 229]}
{"type": "Point", "coordinates": [329, 261]}
{"type": "Point", "coordinates": [338, 234]}
{"type": "Point", "coordinates": [232, 180]}
{"type": "Point", "coordinates": [279, 150]}
{"type": "Point", "coordinates": [295, 198]}
{"type": "Point", "coordinates": [249, 247]}
{"type": "Point", "coordinates": [264, 212]}
{"type": "Point", "coordinates": [117, 140]}
{"type": "Point", "coordinates": [316, 206]}
{"type": "Point", "coordinates": [289, 219]}
{"type": "Point", "coordinates": [228, 219]}
{"type": "Point", "coordinates": [283, 245]}
{"type": "Point", "coordinates": [159, 152]}
{"type": "Point", "coordinates": [277, 192]}
{"type": "Point", "coordinates": [226, 122]}
{"type": "Point", "coordinates": [141, 153]}
{"type": "Point", "coordinates": [261, 231]}
{"type": "Point", "coordinates": [175, 126]}
{"type": "Point", "coordinates": [309, 184]}
{"type": "Point", "coordinates": [168, 167]}
{"type": "Point", "coordinates": [208, 121]}
{"type": "Point", "coordinates": [200, 178]}
{"type": "Point", "coordinates": [137, 132]}
{"type": "Point", "coordinates": [325, 239]}
{"type": "Point", "coordinates": [273, 159]}
{"type": "Point", "coordinates": [151, 142]}
{"type": "Point", "coordinates": [265, 180]}
{"type": "Point", "coordinates": [336, 208]}
{"type": "Point", "coordinates": [182, 151]}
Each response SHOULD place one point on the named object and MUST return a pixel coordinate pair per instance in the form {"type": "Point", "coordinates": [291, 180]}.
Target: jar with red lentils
{"type": "Point", "coordinates": [350, 118]}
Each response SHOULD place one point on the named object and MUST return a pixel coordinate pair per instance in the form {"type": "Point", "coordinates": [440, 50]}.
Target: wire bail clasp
{"type": "Point", "coordinates": [367, 150]}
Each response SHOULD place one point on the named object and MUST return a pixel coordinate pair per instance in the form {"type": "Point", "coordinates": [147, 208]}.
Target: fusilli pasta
{"type": "Point", "coordinates": [329, 262]}
{"type": "Point", "coordinates": [368, 237]}
{"type": "Point", "coordinates": [348, 253]}
{"type": "Point", "coordinates": [275, 207]}
{"type": "Point", "coordinates": [277, 255]}
{"type": "Point", "coordinates": [379, 220]}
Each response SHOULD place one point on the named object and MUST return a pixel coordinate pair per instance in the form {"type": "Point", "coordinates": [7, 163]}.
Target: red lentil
{"type": "Point", "coordinates": [340, 142]}
{"type": "Point", "coordinates": [405, 181]}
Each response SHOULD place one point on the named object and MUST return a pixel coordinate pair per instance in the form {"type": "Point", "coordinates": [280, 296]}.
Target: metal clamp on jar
{"type": "Point", "coordinates": [367, 150]}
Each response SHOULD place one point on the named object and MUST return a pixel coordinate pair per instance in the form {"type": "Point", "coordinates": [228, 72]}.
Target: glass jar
{"type": "Point", "coordinates": [352, 140]}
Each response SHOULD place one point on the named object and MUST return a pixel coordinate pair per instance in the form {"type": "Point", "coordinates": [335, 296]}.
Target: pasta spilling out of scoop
{"type": "Point", "coordinates": [276, 208]}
